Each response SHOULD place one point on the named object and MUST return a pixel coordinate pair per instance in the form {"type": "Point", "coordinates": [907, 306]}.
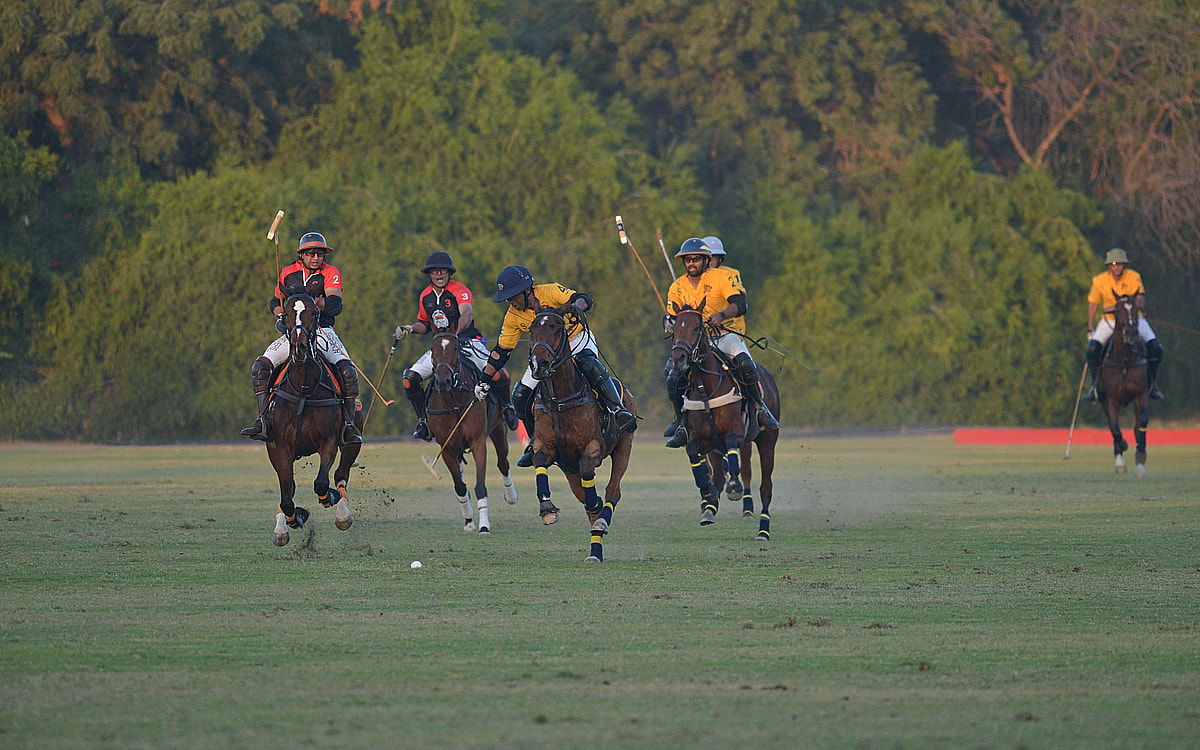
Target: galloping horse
{"type": "Point", "coordinates": [571, 429]}
{"type": "Point", "coordinates": [717, 423]}
{"type": "Point", "coordinates": [451, 394]}
{"type": "Point", "coordinates": [1123, 377]}
{"type": "Point", "coordinates": [305, 415]}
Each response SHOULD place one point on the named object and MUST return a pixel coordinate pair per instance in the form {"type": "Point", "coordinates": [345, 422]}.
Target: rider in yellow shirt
{"type": "Point", "coordinates": [1118, 281]}
{"type": "Point", "coordinates": [721, 298]}
{"type": "Point", "coordinates": [515, 286]}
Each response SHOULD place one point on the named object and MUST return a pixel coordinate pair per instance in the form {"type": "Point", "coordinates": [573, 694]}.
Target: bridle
{"type": "Point", "coordinates": [559, 351]}
{"type": "Point", "coordinates": [301, 336]}
{"type": "Point", "coordinates": [448, 376]}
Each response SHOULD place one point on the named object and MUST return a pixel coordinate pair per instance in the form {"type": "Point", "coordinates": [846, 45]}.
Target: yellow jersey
{"type": "Point", "coordinates": [517, 321]}
{"type": "Point", "coordinates": [710, 294]}
{"type": "Point", "coordinates": [1106, 289]}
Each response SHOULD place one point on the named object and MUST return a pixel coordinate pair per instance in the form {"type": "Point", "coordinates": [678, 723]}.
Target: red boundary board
{"type": "Point", "coordinates": [1081, 436]}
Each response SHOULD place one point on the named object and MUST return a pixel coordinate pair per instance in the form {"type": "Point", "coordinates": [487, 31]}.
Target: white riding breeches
{"type": "Point", "coordinates": [582, 341]}
{"type": "Point", "coordinates": [328, 345]}
{"type": "Point", "coordinates": [1104, 330]}
{"type": "Point", "coordinates": [474, 349]}
{"type": "Point", "coordinates": [732, 344]}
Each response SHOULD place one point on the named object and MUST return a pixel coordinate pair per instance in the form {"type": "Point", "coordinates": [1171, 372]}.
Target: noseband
{"type": "Point", "coordinates": [446, 342]}
{"type": "Point", "coordinates": [690, 348]}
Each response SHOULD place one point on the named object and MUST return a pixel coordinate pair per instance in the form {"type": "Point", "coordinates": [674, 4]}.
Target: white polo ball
{"type": "Point", "coordinates": [416, 564]}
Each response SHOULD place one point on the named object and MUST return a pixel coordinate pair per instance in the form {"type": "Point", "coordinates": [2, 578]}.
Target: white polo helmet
{"type": "Point", "coordinates": [714, 244]}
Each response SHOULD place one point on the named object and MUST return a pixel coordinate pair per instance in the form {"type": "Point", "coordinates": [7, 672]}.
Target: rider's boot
{"type": "Point", "coordinates": [749, 377]}
{"type": "Point", "coordinates": [416, 397]}
{"type": "Point", "coordinates": [676, 387]}
{"type": "Point", "coordinates": [1154, 355]}
{"type": "Point", "coordinates": [500, 386]}
{"type": "Point", "coordinates": [260, 379]}
{"type": "Point", "coordinates": [522, 398]}
{"type": "Point", "coordinates": [598, 378]}
{"type": "Point", "coordinates": [349, 373]}
{"type": "Point", "coordinates": [1094, 350]}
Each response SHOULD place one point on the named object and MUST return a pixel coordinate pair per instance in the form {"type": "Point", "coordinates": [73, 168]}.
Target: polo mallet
{"type": "Point", "coordinates": [391, 353]}
{"type": "Point", "coordinates": [625, 241]}
{"type": "Point", "coordinates": [432, 465]}
{"type": "Point", "coordinates": [272, 236]}
{"type": "Point", "coordinates": [1079, 395]}
{"type": "Point", "coordinates": [666, 257]}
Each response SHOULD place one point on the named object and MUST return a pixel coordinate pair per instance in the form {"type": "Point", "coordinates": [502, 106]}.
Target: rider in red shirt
{"type": "Point", "coordinates": [448, 304]}
{"type": "Point", "coordinates": [310, 272]}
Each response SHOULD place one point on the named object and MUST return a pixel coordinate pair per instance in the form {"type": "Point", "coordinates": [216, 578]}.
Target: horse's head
{"type": "Point", "coordinates": [547, 343]}
{"type": "Point", "coordinates": [445, 357]}
{"type": "Point", "coordinates": [300, 318]}
{"type": "Point", "coordinates": [1126, 312]}
{"type": "Point", "coordinates": [688, 330]}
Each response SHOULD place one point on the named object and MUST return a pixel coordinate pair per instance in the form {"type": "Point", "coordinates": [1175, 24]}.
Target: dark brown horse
{"type": "Point", "coordinates": [1123, 376]}
{"type": "Point", "coordinates": [305, 415]}
{"type": "Point", "coordinates": [718, 422]}
{"type": "Point", "coordinates": [451, 394]}
{"type": "Point", "coordinates": [571, 429]}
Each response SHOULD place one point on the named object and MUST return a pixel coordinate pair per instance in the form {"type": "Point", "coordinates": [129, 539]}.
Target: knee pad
{"type": "Point", "coordinates": [412, 383]}
{"type": "Point", "coordinates": [1094, 349]}
{"type": "Point", "coordinates": [349, 375]}
{"type": "Point", "coordinates": [260, 373]}
{"type": "Point", "coordinates": [747, 369]}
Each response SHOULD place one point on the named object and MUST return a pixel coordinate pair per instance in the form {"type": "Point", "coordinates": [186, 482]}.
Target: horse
{"type": "Point", "coordinates": [1123, 378]}
{"type": "Point", "coordinates": [305, 415]}
{"type": "Point", "coordinates": [451, 398]}
{"type": "Point", "coordinates": [719, 426]}
{"type": "Point", "coordinates": [572, 429]}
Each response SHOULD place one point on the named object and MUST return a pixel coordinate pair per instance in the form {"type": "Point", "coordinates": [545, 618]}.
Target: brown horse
{"type": "Point", "coordinates": [719, 426]}
{"type": "Point", "coordinates": [305, 415]}
{"type": "Point", "coordinates": [571, 429]}
{"type": "Point", "coordinates": [451, 395]}
{"type": "Point", "coordinates": [1123, 376]}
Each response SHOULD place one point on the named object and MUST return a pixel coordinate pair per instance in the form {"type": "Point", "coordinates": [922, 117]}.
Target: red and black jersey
{"type": "Point", "coordinates": [315, 282]}
{"type": "Point", "coordinates": [447, 300]}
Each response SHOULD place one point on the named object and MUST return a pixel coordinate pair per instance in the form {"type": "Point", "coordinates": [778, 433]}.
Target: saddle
{"type": "Point", "coordinates": [330, 380]}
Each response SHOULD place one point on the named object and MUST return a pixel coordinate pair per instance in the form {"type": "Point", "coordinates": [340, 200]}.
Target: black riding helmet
{"type": "Point", "coordinates": [512, 281]}
{"type": "Point", "coordinates": [439, 259]}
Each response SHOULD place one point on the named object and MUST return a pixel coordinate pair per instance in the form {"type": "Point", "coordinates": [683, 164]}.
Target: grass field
{"type": "Point", "coordinates": [915, 594]}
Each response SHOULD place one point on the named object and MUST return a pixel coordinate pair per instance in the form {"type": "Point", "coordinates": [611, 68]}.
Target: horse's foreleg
{"type": "Point", "coordinates": [541, 478]}
{"type": "Point", "coordinates": [747, 452]}
{"type": "Point", "coordinates": [479, 456]}
{"type": "Point", "coordinates": [453, 461]}
{"type": "Point", "coordinates": [1112, 410]}
{"type": "Point", "coordinates": [709, 497]}
{"type": "Point", "coordinates": [766, 465]}
{"type": "Point", "coordinates": [612, 495]}
{"type": "Point", "coordinates": [282, 462]}
{"type": "Point", "coordinates": [341, 479]}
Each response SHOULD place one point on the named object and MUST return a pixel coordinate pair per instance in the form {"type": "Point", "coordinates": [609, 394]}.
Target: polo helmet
{"type": "Point", "coordinates": [512, 281]}
{"type": "Point", "coordinates": [693, 246]}
{"type": "Point", "coordinates": [1116, 255]}
{"type": "Point", "coordinates": [439, 259]}
{"type": "Point", "coordinates": [714, 245]}
{"type": "Point", "coordinates": [313, 240]}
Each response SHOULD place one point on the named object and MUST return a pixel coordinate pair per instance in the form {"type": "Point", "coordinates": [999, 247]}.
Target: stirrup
{"type": "Point", "coordinates": [679, 439]}
{"type": "Point", "coordinates": [422, 431]}
{"type": "Point", "coordinates": [626, 420]}
{"type": "Point", "coordinates": [526, 459]}
{"type": "Point", "coordinates": [767, 420]}
{"type": "Point", "coordinates": [350, 434]}
{"type": "Point", "coordinates": [1156, 394]}
{"type": "Point", "coordinates": [1091, 396]}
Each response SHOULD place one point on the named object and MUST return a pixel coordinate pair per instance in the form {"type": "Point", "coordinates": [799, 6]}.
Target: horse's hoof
{"type": "Point", "coordinates": [469, 526]}
{"type": "Point", "coordinates": [485, 531]}
{"type": "Point", "coordinates": [510, 494]}
{"type": "Point", "coordinates": [600, 527]}
{"type": "Point", "coordinates": [341, 515]}
{"type": "Point", "coordinates": [748, 514]}
{"type": "Point", "coordinates": [281, 537]}
{"type": "Point", "coordinates": [762, 536]}
{"type": "Point", "coordinates": [707, 517]}
{"type": "Point", "coordinates": [592, 559]}
{"type": "Point", "coordinates": [331, 498]}
{"type": "Point", "coordinates": [1140, 471]}
{"type": "Point", "coordinates": [548, 512]}
{"type": "Point", "coordinates": [549, 519]}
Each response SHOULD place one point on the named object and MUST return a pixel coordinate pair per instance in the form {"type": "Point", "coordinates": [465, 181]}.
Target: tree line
{"type": "Point", "coordinates": [916, 193]}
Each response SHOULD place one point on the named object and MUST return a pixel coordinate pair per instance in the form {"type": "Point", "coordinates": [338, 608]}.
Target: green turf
{"type": "Point", "coordinates": [914, 594]}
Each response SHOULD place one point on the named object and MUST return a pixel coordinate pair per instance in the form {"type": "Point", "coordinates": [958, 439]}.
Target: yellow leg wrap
{"type": "Point", "coordinates": [597, 539]}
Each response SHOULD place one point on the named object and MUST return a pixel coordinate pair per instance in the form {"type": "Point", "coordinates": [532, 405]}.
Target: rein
{"type": "Point", "coordinates": [458, 383]}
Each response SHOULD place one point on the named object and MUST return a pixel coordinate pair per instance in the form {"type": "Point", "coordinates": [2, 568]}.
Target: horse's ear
{"type": "Point", "coordinates": [675, 306]}
{"type": "Point", "coordinates": [314, 287]}
{"type": "Point", "coordinates": [292, 289]}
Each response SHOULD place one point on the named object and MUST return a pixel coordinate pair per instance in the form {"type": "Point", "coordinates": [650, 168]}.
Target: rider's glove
{"type": "Point", "coordinates": [668, 324]}
{"type": "Point", "coordinates": [279, 326]}
{"type": "Point", "coordinates": [482, 388]}
{"type": "Point", "coordinates": [401, 332]}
